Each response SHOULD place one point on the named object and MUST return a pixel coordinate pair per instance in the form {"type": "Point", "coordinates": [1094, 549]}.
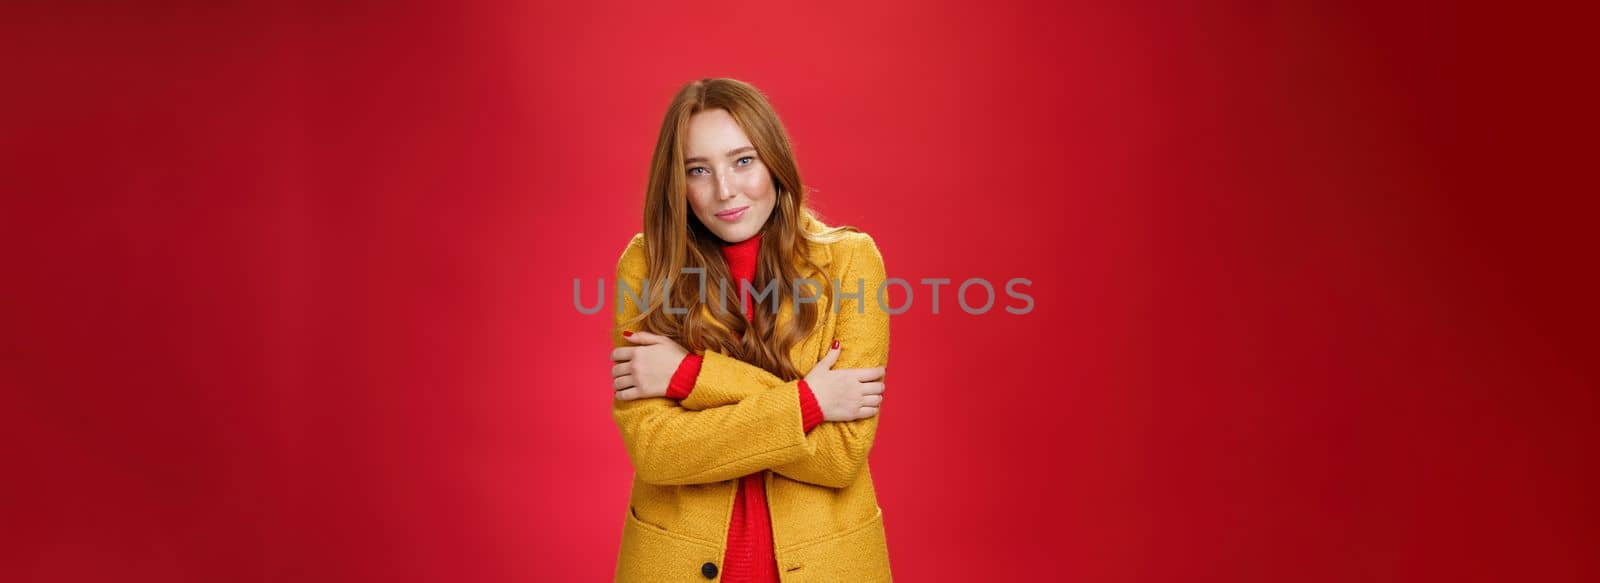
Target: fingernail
{"type": "Point", "coordinates": [835, 344]}
{"type": "Point", "coordinates": [626, 333]}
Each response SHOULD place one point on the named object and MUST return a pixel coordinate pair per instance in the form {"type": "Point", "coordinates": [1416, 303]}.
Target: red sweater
{"type": "Point", "coordinates": [749, 558]}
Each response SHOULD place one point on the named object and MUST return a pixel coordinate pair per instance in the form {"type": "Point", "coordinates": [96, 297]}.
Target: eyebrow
{"type": "Point", "coordinates": [729, 154]}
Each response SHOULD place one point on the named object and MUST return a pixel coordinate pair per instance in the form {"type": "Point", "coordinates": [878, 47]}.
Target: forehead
{"type": "Point", "coordinates": [713, 132]}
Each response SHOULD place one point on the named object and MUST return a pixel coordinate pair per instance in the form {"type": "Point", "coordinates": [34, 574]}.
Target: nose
{"type": "Point", "coordinates": [724, 190]}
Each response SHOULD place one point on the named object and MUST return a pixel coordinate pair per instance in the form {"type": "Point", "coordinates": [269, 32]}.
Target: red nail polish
{"type": "Point", "coordinates": [627, 333]}
{"type": "Point", "coordinates": [835, 344]}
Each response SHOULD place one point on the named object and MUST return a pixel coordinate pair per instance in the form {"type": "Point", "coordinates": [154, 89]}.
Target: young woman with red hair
{"type": "Point", "coordinates": [748, 416]}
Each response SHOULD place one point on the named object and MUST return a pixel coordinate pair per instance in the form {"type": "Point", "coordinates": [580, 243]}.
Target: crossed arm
{"type": "Point", "coordinates": [738, 418]}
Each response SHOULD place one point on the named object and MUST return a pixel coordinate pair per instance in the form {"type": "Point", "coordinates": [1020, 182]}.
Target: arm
{"type": "Point", "coordinates": [726, 381]}
{"type": "Point", "coordinates": [670, 445]}
{"type": "Point", "coordinates": [715, 379]}
{"type": "Point", "coordinates": [840, 448]}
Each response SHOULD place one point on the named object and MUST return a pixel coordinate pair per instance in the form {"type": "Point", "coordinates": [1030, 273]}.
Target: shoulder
{"type": "Point", "coordinates": [633, 259]}
{"type": "Point", "coordinates": [635, 244]}
{"type": "Point", "coordinates": [857, 245]}
{"type": "Point", "coordinates": [859, 241]}
{"type": "Point", "coordinates": [860, 245]}
{"type": "Point", "coordinates": [854, 252]}
{"type": "Point", "coordinates": [840, 243]}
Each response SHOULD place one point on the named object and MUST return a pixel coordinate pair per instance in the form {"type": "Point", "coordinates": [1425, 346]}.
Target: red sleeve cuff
{"type": "Point", "coordinates": [683, 379]}
{"type": "Point", "coordinates": [810, 412]}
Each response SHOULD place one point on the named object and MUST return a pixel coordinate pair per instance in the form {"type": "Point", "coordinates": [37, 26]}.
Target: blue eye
{"type": "Point", "coordinates": [692, 170]}
{"type": "Point", "coordinates": [750, 158]}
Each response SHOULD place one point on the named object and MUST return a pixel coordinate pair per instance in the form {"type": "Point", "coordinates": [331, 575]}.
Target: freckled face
{"type": "Point", "coordinates": [730, 190]}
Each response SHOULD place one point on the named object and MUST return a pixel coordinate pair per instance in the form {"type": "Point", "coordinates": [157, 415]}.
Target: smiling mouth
{"type": "Point", "coordinates": [732, 214]}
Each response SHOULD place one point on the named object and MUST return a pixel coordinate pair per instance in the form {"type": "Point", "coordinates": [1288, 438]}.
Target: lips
{"type": "Point", "coordinates": [732, 214]}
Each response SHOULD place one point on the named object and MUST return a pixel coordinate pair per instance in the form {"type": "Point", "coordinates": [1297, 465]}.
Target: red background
{"type": "Point", "coordinates": [287, 287]}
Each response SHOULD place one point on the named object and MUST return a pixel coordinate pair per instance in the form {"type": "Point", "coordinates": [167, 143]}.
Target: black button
{"type": "Point", "coordinates": [709, 570]}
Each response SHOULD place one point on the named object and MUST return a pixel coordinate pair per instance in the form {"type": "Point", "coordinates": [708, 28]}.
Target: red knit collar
{"type": "Point", "coordinates": [741, 257]}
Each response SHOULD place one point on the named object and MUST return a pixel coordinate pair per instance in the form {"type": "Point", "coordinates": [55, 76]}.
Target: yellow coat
{"type": "Point", "coordinates": [740, 419]}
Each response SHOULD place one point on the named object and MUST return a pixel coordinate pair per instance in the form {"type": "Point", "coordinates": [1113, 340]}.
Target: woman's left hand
{"type": "Point", "coordinates": [643, 370]}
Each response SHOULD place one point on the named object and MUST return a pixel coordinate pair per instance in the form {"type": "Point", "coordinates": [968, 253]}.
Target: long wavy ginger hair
{"type": "Point", "coordinates": [675, 238]}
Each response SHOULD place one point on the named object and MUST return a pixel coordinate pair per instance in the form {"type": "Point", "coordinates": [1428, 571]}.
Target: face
{"type": "Point", "coordinates": [730, 190]}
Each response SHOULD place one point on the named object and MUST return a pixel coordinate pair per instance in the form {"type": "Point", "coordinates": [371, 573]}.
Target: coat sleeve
{"type": "Point", "coordinates": [671, 445]}
{"type": "Point", "coordinates": [746, 380]}
{"type": "Point", "coordinates": [725, 380]}
{"type": "Point", "coordinates": [838, 450]}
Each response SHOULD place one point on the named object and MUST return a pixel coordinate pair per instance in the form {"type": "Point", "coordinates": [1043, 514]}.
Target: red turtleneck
{"type": "Point", "coordinates": [749, 557]}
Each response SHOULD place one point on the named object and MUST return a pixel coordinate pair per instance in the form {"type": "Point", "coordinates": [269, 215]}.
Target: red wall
{"type": "Point", "coordinates": [287, 289]}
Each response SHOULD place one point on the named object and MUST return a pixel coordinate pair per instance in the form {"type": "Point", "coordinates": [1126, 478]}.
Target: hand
{"type": "Point", "coordinates": [644, 370]}
{"type": "Point", "coordinates": [846, 394]}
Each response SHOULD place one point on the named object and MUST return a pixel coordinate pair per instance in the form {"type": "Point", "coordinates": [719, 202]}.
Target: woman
{"type": "Point", "coordinates": [748, 433]}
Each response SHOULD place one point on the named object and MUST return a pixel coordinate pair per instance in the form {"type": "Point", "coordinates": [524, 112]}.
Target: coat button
{"type": "Point", "coordinates": [709, 570]}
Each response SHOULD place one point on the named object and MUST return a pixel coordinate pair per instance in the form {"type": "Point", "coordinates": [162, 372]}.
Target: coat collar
{"type": "Point", "coordinates": [819, 253]}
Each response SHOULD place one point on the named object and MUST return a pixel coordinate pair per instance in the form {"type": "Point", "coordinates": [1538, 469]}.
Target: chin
{"type": "Point", "coordinates": [736, 233]}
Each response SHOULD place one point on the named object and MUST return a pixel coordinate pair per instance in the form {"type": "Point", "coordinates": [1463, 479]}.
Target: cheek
{"type": "Point", "coordinates": [758, 185]}
{"type": "Point", "coordinates": [763, 195]}
{"type": "Point", "coordinates": [698, 199]}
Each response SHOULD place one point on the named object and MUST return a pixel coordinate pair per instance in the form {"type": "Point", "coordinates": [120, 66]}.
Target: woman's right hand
{"type": "Point", "coordinates": [845, 394]}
